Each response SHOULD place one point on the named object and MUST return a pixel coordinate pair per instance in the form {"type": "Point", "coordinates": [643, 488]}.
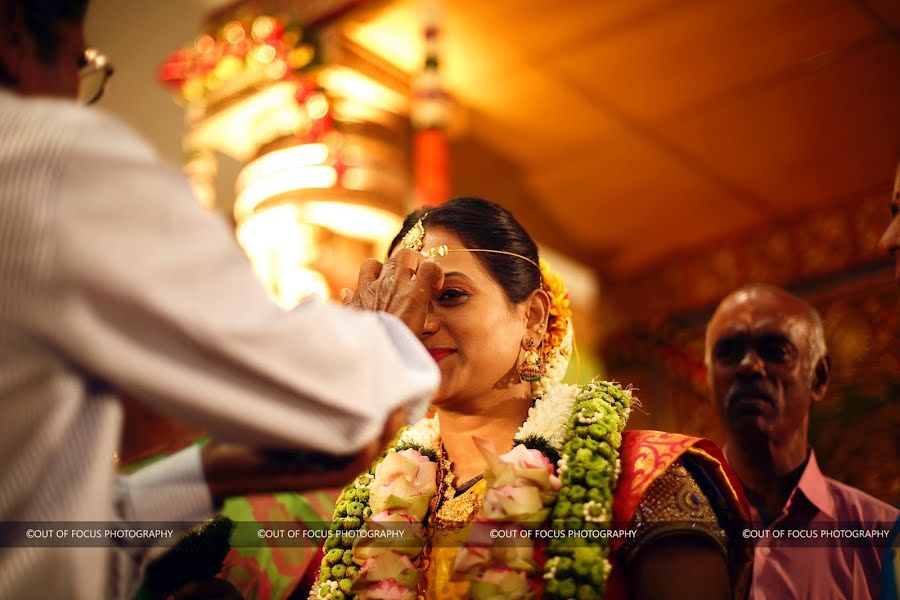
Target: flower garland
{"type": "Point", "coordinates": [561, 472]}
{"type": "Point", "coordinates": [397, 490]}
{"type": "Point", "coordinates": [523, 488]}
{"type": "Point", "coordinates": [577, 494]}
{"type": "Point", "coordinates": [589, 469]}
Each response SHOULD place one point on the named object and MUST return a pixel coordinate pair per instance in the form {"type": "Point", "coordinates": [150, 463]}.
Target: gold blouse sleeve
{"type": "Point", "coordinates": [674, 504]}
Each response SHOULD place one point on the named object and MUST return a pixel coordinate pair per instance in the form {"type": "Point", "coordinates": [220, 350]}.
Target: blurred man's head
{"type": "Point", "coordinates": [767, 363]}
{"type": "Point", "coordinates": [41, 46]}
{"type": "Point", "coordinates": [890, 241]}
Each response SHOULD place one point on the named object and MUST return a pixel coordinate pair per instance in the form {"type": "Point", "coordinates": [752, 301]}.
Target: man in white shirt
{"type": "Point", "coordinates": [113, 280]}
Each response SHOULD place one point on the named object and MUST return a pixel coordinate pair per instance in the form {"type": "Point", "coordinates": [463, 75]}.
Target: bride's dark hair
{"type": "Point", "coordinates": [483, 224]}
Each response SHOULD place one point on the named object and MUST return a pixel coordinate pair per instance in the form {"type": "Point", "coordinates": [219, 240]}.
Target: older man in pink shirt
{"type": "Point", "coordinates": [768, 363]}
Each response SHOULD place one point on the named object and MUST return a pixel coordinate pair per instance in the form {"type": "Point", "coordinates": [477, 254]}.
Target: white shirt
{"type": "Point", "coordinates": [113, 279]}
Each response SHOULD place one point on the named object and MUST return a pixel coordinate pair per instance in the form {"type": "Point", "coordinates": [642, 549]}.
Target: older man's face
{"type": "Point", "coordinates": [759, 363]}
{"type": "Point", "coordinates": [890, 241]}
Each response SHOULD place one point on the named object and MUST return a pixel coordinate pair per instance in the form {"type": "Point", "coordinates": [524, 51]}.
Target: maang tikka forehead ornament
{"type": "Point", "coordinates": [415, 239]}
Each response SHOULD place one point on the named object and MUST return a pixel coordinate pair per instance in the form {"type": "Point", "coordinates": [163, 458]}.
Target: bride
{"type": "Point", "coordinates": [520, 486]}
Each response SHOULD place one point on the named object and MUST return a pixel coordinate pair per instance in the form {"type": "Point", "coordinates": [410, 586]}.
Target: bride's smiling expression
{"type": "Point", "coordinates": [472, 331]}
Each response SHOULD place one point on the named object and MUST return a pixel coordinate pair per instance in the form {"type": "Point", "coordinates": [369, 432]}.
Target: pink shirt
{"type": "Point", "coordinates": [823, 568]}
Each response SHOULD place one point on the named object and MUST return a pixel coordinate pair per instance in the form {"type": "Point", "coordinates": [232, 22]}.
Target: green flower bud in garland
{"type": "Point", "coordinates": [590, 457]}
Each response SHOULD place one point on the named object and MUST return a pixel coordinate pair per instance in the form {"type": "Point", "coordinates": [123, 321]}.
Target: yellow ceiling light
{"type": "Point", "coordinates": [239, 129]}
{"type": "Point", "coordinates": [297, 284]}
{"type": "Point", "coordinates": [258, 232]}
{"type": "Point", "coordinates": [264, 54]}
{"type": "Point", "coordinates": [356, 178]}
{"type": "Point", "coordinates": [282, 171]}
{"type": "Point", "coordinates": [317, 105]}
{"type": "Point", "coordinates": [281, 248]}
{"type": "Point", "coordinates": [343, 82]}
{"type": "Point", "coordinates": [277, 230]}
{"type": "Point", "coordinates": [348, 110]}
{"type": "Point", "coordinates": [283, 182]}
{"type": "Point", "coordinates": [280, 160]}
{"type": "Point", "coordinates": [393, 33]}
{"type": "Point", "coordinates": [352, 220]}
{"type": "Point", "coordinates": [262, 28]}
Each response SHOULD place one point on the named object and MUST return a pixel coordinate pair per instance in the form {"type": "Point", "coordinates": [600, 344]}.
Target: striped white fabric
{"type": "Point", "coordinates": [113, 279]}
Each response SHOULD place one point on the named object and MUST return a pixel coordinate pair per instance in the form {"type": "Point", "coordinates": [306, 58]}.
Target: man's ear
{"type": "Point", "coordinates": [821, 377]}
{"type": "Point", "coordinates": [537, 311]}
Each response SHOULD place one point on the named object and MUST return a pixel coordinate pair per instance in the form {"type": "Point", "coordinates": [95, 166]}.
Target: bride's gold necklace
{"type": "Point", "coordinates": [453, 511]}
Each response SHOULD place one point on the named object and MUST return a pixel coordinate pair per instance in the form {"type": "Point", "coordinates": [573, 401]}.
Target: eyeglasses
{"type": "Point", "coordinates": [94, 70]}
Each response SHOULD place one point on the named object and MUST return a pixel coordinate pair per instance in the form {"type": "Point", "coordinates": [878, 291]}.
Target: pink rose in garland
{"type": "Point", "coordinates": [513, 502]}
{"type": "Point", "coordinates": [404, 480]}
{"type": "Point", "coordinates": [494, 545]}
{"type": "Point", "coordinates": [501, 583]}
{"type": "Point", "coordinates": [403, 535]}
{"type": "Point", "coordinates": [521, 483]}
{"type": "Point", "coordinates": [521, 486]}
{"type": "Point", "coordinates": [389, 572]}
{"type": "Point", "coordinates": [389, 590]}
{"type": "Point", "coordinates": [528, 463]}
{"type": "Point", "coordinates": [471, 562]}
{"type": "Point", "coordinates": [401, 489]}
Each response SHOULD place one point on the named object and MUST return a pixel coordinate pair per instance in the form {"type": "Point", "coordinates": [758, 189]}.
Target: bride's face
{"type": "Point", "coordinates": [472, 331]}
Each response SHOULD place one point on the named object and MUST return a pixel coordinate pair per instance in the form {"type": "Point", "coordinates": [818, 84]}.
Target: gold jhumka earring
{"type": "Point", "coordinates": [532, 368]}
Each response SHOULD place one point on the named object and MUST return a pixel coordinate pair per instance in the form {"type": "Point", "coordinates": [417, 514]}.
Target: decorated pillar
{"type": "Point", "coordinates": [431, 152]}
{"type": "Point", "coordinates": [321, 130]}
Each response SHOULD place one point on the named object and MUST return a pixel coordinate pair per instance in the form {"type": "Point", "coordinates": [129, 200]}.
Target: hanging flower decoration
{"type": "Point", "coordinates": [231, 64]}
{"type": "Point", "coordinates": [239, 52]}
